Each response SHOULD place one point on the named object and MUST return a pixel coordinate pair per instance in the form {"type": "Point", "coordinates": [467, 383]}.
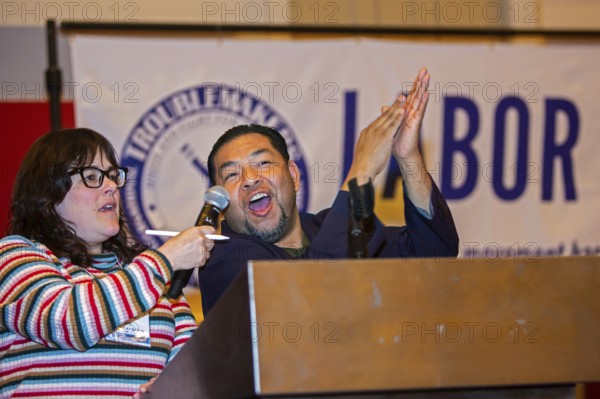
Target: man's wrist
{"type": "Point", "coordinates": [412, 168]}
{"type": "Point", "coordinates": [361, 176]}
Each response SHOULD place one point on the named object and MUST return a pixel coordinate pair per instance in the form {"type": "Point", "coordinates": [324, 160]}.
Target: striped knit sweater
{"type": "Point", "coordinates": [54, 317]}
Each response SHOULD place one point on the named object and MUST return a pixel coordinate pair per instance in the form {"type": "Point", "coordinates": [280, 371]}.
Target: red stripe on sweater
{"type": "Point", "coordinates": [29, 276]}
{"type": "Point", "coordinates": [149, 282]}
{"type": "Point", "coordinates": [65, 327]}
{"type": "Point", "coordinates": [99, 330]}
{"type": "Point", "coordinates": [163, 336]}
{"type": "Point", "coordinates": [162, 306]}
{"type": "Point", "coordinates": [123, 295]}
{"type": "Point", "coordinates": [99, 393]}
{"type": "Point", "coordinates": [94, 363]}
{"type": "Point", "coordinates": [44, 306]}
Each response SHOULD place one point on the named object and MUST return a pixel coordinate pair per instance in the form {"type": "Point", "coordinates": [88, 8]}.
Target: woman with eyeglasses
{"type": "Point", "coordinates": [82, 306]}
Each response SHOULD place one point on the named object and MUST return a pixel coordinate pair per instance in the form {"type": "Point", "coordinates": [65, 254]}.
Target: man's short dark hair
{"type": "Point", "coordinates": [275, 138]}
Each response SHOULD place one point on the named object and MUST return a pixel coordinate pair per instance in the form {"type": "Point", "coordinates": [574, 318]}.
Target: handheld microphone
{"type": "Point", "coordinates": [216, 200]}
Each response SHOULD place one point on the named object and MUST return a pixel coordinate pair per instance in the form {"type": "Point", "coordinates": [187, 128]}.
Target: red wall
{"type": "Point", "coordinates": [22, 123]}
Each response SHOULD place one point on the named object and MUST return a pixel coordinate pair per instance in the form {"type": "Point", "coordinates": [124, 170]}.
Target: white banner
{"type": "Point", "coordinates": [509, 135]}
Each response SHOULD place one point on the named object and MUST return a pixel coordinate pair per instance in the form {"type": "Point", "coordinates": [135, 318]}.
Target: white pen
{"type": "Point", "coordinates": [165, 233]}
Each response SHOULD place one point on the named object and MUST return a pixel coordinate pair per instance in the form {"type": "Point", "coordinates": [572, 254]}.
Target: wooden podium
{"type": "Point", "coordinates": [419, 328]}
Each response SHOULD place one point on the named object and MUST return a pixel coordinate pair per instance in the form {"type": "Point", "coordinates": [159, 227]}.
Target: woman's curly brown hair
{"type": "Point", "coordinates": [43, 182]}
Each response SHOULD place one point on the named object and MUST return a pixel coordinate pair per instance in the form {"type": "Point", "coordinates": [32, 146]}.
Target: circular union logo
{"type": "Point", "coordinates": [167, 150]}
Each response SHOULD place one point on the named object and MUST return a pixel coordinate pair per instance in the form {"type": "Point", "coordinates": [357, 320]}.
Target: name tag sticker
{"type": "Point", "coordinates": [135, 333]}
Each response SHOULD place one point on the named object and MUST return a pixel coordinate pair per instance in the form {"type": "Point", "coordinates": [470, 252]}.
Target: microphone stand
{"type": "Point", "coordinates": [362, 220]}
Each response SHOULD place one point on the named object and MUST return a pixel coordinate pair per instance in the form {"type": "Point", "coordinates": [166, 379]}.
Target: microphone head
{"type": "Point", "coordinates": [217, 196]}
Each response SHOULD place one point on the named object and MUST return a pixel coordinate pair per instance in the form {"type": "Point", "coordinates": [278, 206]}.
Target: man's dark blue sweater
{"type": "Point", "coordinates": [424, 236]}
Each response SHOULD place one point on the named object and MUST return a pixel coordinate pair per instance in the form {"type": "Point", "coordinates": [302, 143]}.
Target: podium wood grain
{"type": "Point", "coordinates": [398, 327]}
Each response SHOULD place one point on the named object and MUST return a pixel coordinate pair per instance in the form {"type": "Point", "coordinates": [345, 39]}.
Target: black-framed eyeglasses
{"type": "Point", "coordinates": [93, 177]}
